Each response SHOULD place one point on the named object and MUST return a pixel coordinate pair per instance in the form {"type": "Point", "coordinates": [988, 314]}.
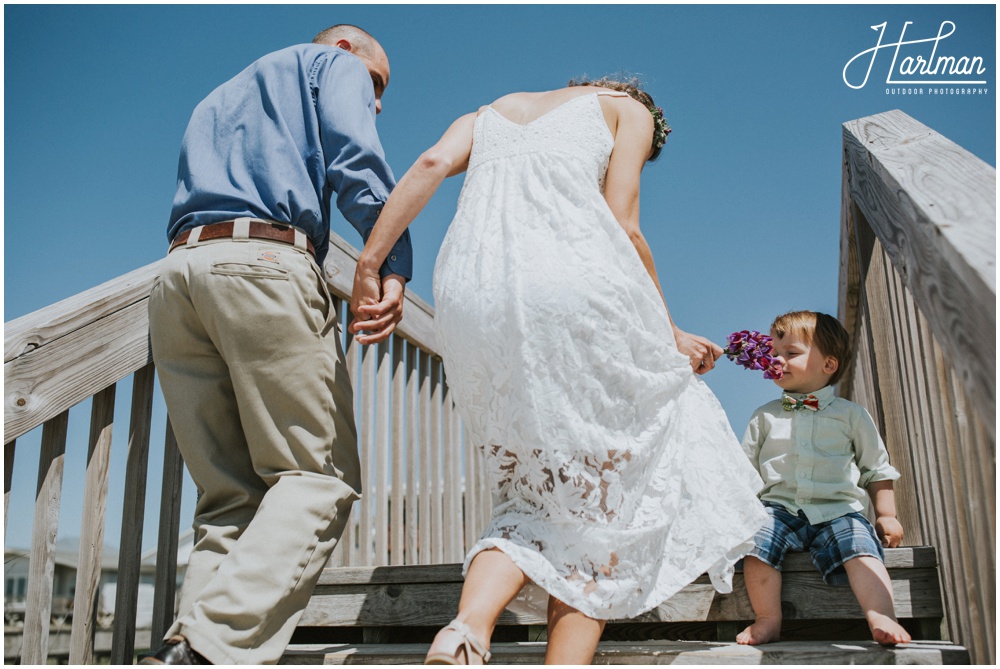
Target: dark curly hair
{"type": "Point", "coordinates": [631, 86]}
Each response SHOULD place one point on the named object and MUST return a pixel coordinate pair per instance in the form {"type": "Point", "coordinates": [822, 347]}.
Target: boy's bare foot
{"type": "Point", "coordinates": [886, 631]}
{"type": "Point", "coordinates": [763, 630]}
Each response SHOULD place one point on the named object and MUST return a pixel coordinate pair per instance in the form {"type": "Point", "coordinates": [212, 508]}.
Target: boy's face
{"type": "Point", "coordinates": [805, 369]}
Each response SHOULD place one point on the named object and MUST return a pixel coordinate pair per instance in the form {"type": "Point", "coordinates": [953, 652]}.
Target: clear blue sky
{"type": "Point", "coordinates": [742, 210]}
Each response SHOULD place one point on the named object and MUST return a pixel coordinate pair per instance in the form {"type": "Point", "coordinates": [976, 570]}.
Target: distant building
{"type": "Point", "coordinates": [67, 560]}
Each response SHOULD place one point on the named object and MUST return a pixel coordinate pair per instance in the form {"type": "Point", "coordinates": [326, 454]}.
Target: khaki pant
{"type": "Point", "coordinates": [247, 350]}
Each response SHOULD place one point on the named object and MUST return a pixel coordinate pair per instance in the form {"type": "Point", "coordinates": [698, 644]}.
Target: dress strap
{"type": "Point", "coordinates": [614, 94]}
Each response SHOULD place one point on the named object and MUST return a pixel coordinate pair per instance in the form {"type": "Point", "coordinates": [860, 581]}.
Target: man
{"type": "Point", "coordinates": [246, 340]}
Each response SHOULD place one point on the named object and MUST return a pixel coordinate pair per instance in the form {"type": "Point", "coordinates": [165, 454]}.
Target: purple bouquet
{"type": "Point", "coordinates": [752, 350]}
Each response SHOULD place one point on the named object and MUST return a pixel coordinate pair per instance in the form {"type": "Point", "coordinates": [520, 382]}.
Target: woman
{"type": "Point", "coordinates": [616, 477]}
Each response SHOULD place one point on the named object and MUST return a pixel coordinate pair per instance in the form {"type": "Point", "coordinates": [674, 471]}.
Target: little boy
{"type": "Point", "coordinates": [818, 454]}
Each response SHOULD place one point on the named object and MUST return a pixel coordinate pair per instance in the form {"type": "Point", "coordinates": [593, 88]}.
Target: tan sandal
{"type": "Point", "coordinates": [453, 639]}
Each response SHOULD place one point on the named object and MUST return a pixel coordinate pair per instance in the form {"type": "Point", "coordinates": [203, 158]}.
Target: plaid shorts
{"type": "Point", "coordinates": [830, 544]}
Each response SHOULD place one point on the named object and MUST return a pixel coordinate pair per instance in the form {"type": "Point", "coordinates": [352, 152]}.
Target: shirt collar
{"type": "Point", "coordinates": [824, 395]}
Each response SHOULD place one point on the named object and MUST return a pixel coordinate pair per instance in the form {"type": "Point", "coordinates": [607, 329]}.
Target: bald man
{"type": "Point", "coordinates": [246, 340]}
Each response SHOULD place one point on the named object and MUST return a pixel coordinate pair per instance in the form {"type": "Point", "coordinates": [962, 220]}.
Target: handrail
{"type": "Point", "coordinates": [79, 349]}
{"type": "Point", "coordinates": [918, 293]}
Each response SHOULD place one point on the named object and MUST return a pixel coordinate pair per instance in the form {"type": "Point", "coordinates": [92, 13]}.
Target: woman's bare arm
{"type": "Point", "coordinates": [448, 157]}
{"type": "Point", "coordinates": [633, 145]}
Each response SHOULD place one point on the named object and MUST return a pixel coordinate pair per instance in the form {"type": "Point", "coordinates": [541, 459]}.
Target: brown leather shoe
{"type": "Point", "coordinates": [175, 652]}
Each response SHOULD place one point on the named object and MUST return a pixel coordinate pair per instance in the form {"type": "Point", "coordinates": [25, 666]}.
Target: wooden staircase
{"type": "Point", "coordinates": [388, 615]}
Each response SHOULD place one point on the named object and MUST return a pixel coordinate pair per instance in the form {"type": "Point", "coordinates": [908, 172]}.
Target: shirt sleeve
{"type": "Point", "coordinates": [869, 451]}
{"type": "Point", "coordinates": [356, 169]}
{"type": "Point", "coordinates": [753, 438]}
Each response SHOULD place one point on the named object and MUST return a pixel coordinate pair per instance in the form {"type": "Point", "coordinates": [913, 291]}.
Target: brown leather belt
{"type": "Point", "coordinates": [272, 232]}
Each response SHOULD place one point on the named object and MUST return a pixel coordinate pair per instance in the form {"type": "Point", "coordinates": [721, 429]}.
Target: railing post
{"type": "Point", "coordinates": [127, 589]}
{"type": "Point", "coordinates": [165, 590]}
{"type": "Point", "coordinates": [38, 609]}
{"type": "Point", "coordinates": [95, 502]}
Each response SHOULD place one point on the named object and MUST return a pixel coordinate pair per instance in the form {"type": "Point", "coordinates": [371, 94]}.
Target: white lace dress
{"type": "Point", "coordinates": [615, 475]}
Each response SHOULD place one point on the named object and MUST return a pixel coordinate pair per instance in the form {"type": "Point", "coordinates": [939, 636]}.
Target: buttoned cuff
{"type": "Point", "coordinates": [400, 258]}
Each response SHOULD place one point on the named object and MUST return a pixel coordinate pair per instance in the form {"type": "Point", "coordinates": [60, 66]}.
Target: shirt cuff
{"type": "Point", "coordinates": [874, 476]}
{"type": "Point", "coordinates": [400, 258]}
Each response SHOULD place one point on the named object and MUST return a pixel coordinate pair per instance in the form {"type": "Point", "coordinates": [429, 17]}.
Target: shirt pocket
{"type": "Point", "coordinates": [831, 437]}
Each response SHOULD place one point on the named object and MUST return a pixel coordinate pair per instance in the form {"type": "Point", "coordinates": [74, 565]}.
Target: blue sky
{"type": "Point", "coordinates": [742, 210]}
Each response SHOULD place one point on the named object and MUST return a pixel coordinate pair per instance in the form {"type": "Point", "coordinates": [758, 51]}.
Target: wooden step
{"type": "Point", "coordinates": [654, 652]}
{"type": "Point", "coordinates": [427, 595]}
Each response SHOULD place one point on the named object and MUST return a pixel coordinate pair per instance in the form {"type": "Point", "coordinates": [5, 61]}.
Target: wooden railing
{"type": "Point", "coordinates": [918, 291]}
{"type": "Point", "coordinates": [424, 500]}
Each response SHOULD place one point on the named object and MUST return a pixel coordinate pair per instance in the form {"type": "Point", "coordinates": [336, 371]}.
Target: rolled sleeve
{"type": "Point", "coordinates": [355, 164]}
{"type": "Point", "coordinates": [870, 452]}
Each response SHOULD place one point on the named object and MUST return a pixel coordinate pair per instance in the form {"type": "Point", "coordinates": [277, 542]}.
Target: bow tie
{"type": "Point", "coordinates": [789, 403]}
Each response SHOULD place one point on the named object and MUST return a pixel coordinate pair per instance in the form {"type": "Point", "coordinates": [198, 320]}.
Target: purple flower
{"type": "Point", "coordinates": [752, 350]}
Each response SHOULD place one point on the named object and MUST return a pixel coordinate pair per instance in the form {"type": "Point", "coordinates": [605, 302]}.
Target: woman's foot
{"type": "Point", "coordinates": [763, 630]}
{"type": "Point", "coordinates": [886, 631]}
{"type": "Point", "coordinates": [456, 644]}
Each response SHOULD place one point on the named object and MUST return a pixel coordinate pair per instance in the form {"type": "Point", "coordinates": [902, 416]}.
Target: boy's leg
{"type": "Point", "coordinates": [849, 543]}
{"type": "Point", "coordinates": [764, 589]}
{"type": "Point", "coordinates": [871, 585]}
{"type": "Point", "coordinates": [762, 576]}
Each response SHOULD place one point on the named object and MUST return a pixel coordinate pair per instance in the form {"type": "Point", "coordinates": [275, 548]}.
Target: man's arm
{"type": "Point", "coordinates": [355, 164]}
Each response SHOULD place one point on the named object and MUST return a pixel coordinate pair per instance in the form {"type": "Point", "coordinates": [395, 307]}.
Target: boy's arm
{"type": "Point", "coordinates": [877, 476]}
{"type": "Point", "coordinates": [753, 437]}
{"type": "Point", "coordinates": [887, 526]}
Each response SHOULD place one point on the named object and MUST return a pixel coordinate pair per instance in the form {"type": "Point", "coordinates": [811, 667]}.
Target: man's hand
{"type": "Point", "coordinates": [889, 530]}
{"type": "Point", "coordinates": [702, 352]}
{"type": "Point", "coordinates": [377, 305]}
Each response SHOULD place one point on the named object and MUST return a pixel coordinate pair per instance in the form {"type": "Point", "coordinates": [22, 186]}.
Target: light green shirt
{"type": "Point", "coordinates": [820, 461]}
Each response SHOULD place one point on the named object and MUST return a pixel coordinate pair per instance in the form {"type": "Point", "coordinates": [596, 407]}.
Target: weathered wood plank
{"type": "Point", "coordinates": [95, 503]}
{"type": "Point", "coordinates": [886, 384]}
{"type": "Point", "coordinates": [397, 439]}
{"type": "Point", "coordinates": [348, 544]}
{"type": "Point", "coordinates": [652, 653]}
{"type": "Point", "coordinates": [48, 496]}
{"type": "Point", "coordinates": [383, 388]}
{"type": "Point", "coordinates": [453, 479]}
{"type": "Point", "coordinates": [412, 446]}
{"type": "Point", "coordinates": [130, 552]}
{"type": "Point", "coordinates": [804, 597]}
{"type": "Point", "coordinates": [933, 206]}
{"type": "Point", "coordinates": [417, 325]}
{"type": "Point", "coordinates": [470, 500]}
{"type": "Point", "coordinates": [47, 380]}
{"type": "Point", "coordinates": [165, 588]}
{"type": "Point", "coordinates": [366, 437]}
{"type": "Point", "coordinates": [437, 482]}
{"type": "Point", "coordinates": [40, 328]}
{"type": "Point", "coordinates": [915, 557]}
{"type": "Point", "coordinates": [426, 478]}
{"type": "Point", "coordinates": [8, 474]}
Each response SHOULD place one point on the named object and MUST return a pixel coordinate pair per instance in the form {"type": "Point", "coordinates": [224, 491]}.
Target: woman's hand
{"type": "Point", "coordinates": [702, 352]}
{"type": "Point", "coordinates": [377, 304]}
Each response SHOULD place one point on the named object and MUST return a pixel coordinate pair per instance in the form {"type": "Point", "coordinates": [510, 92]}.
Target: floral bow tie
{"type": "Point", "coordinates": [789, 403]}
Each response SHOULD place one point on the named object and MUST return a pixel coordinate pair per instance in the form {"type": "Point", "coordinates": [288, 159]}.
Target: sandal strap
{"type": "Point", "coordinates": [470, 641]}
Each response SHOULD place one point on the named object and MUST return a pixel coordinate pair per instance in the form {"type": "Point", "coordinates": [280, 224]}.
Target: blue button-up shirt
{"type": "Point", "coordinates": [819, 462]}
{"type": "Point", "coordinates": [278, 140]}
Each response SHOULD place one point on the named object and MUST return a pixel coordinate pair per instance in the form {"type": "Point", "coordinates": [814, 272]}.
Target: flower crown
{"type": "Point", "coordinates": [660, 127]}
